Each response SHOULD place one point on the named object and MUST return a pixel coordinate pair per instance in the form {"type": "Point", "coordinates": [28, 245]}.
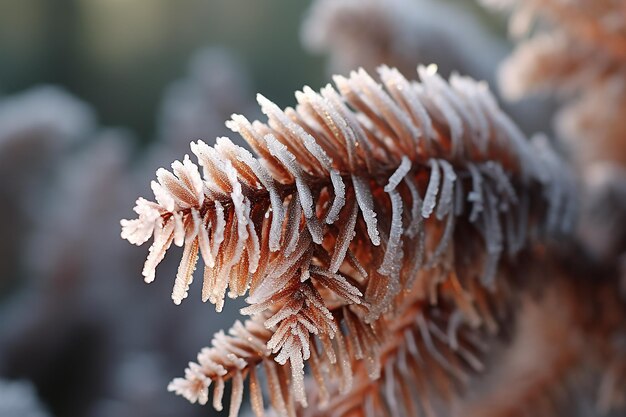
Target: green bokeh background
{"type": "Point", "coordinates": [119, 55]}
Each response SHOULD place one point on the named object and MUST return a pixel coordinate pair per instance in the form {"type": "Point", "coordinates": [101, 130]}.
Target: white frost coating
{"type": "Point", "coordinates": [291, 269]}
{"type": "Point", "coordinates": [397, 119]}
{"type": "Point", "coordinates": [205, 359]}
{"type": "Point", "coordinates": [302, 334]}
{"type": "Point", "coordinates": [282, 342]}
{"type": "Point", "coordinates": [418, 251]}
{"type": "Point", "coordinates": [194, 386]}
{"type": "Point", "coordinates": [403, 366]}
{"type": "Point", "coordinates": [189, 176]}
{"type": "Point", "coordinates": [162, 196]}
{"type": "Point", "coordinates": [181, 195]}
{"type": "Point", "coordinates": [138, 231]}
{"type": "Point", "coordinates": [179, 228]}
{"type": "Point", "coordinates": [446, 203]}
{"type": "Point", "coordinates": [218, 229]}
{"type": "Point", "coordinates": [393, 253]}
{"type": "Point", "coordinates": [280, 152]}
{"type": "Point", "coordinates": [208, 156]}
{"type": "Point", "coordinates": [515, 136]}
{"type": "Point", "coordinates": [218, 393]}
{"type": "Point", "coordinates": [346, 122]}
{"type": "Point", "coordinates": [444, 241]}
{"type": "Point", "coordinates": [349, 292]}
{"type": "Point", "coordinates": [416, 208]}
{"type": "Point", "coordinates": [292, 229]}
{"type": "Point", "coordinates": [278, 276]}
{"type": "Point", "coordinates": [290, 308]}
{"type": "Point", "coordinates": [354, 262]}
{"type": "Point", "coordinates": [430, 199]}
{"type": "Point", "coordinates": [273, 111]}
{"type": "Point", "coordinates": [212, 164]}
{"type": "Point", "coordinates": [234, 354]}
{"type": "Point", "coordinates": [196, 221]}
{"type": "Point", "coordinates": [328, 109]}
{"type": "Point", "coordinates": [339, 189]}
{"type": "Point", "coordinates": [316, 229]}
{"type": "Point", "coordinates": [297, 374]}
{"type": "Point", "coordinates": [278, 213]}
{"type": "Point", "coordinates": [218, 292]}
{"type": "Point", "coordinates": [204, 243]}
{"type": "Point", "coordinates": [185, 271]}
{"type": "Point", "coordinates": [395, 82]}
{"type": "Point", "coordinates": [494, 242]}
{"type": "Point", "coordinates": [239, 124]}
{"type": "Point", "coordinates": [453, 120]}
{"type": "Point", "coordinates": [465, 110]}
{"type": "Point", "coordinates": [256, 395]}
{"type": "Point", "coordinates": [316, 150]}
{"type": "Point", "coordinates": [465, 87]}
{"type": "Point", "coordinates": [253, 246]}
{"type": "Point", "coordinates": [501, 178]}
{"type": "Point", "coordinates": [345, 236]}
{"type": "Point", "coordinates": [366, 204]}
{"type": "Point", "coordinates": [202, 150]}
{"type": "Point", "coordinates": [254, 307]}
{"type": "Point", "coordinates": [411, 345]}
{"type": "Point", "coordinates": [476, 195]}
{"type": "Point", "coordinates": [351, 323]}
{"type": "Point", "coordinates": [399, 174]}
{"type": "Point", "coordinates": [239, 204]}
{"type": "Point", "coordinates": [392, 259]}
{"type": "Point", "coordinates": [325, 161]}
{"type": "Point", "coordinates": [162, 241]}
{"type": "Point", "coordinates": [346, 378]}
{"type": "Point", "coordinates": [441, 101]}
{"type": "Point", "coordinates": [311, 327]}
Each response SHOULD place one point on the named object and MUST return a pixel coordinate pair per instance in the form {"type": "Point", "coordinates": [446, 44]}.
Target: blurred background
{"type": "Point", "coordinates": [95, 95]}
{"type": "Point", "coordinates": [119, 55]}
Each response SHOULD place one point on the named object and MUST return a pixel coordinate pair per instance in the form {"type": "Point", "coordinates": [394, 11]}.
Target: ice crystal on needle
{"type": "Point", "coordinates": [354, 232]}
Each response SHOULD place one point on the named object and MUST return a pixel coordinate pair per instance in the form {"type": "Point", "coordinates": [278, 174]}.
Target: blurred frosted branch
{"type": "Point", "coordinates": [36, 127]}
{"type": "Point", "coordinates": [575, 50]}
{"type": "Point", "coordinates": [402, 33]}
{"type": "Point", "coordinates": [405, 33]}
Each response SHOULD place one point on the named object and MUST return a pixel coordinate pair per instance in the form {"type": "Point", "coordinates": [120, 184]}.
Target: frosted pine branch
{"type": "Point", "coordinates": [360, 200]}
